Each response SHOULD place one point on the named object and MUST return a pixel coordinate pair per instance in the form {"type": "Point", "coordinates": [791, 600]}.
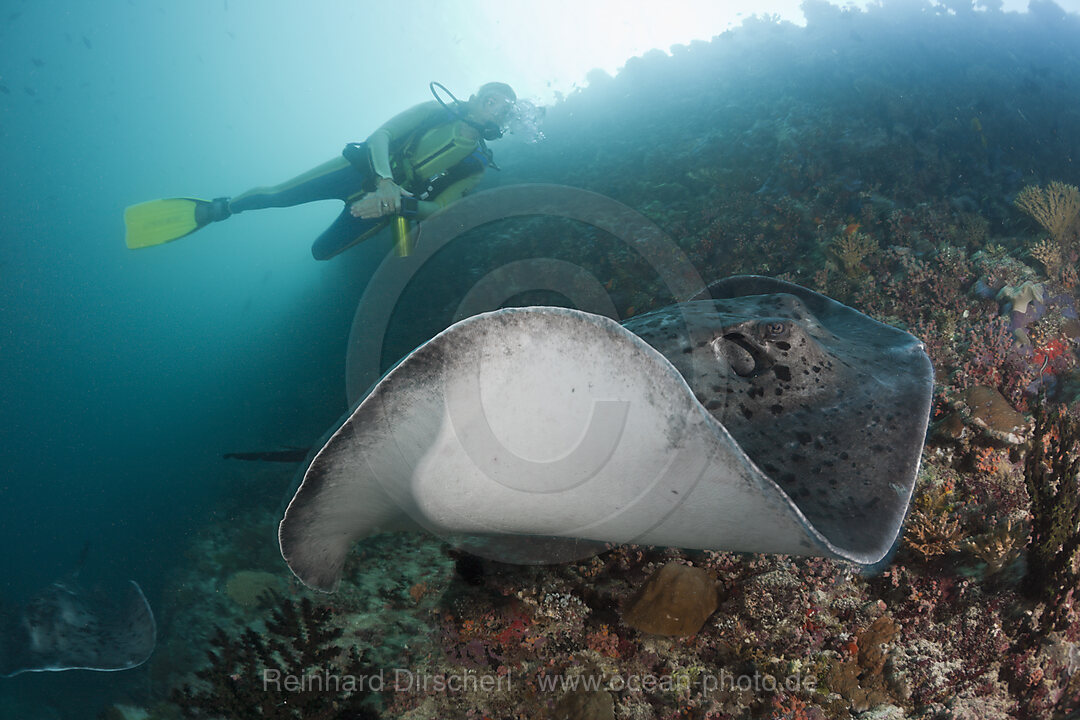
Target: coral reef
{"type": "Point", "coordinates": [675, 600]}
{"type": "Point", "coordinates": [850, 248]}
{"type": "Point", "coordinates": [584, 705]}
{"type": "Point", "coordinates": [933, 528]}
{"type": "Point", "coordinates": [1052, 473]}
{"type": "Point", "coordinates": [860, 678]}
{"type": "Point", "coordinates": [999, 548]}
{"type": "Point", "coordinates": [1055, 207]}
{"type": "Point", "coordinates": [1020, 299]}
{"type": "Point", "coordinates": [985, 408]}
{"type": "Point", "coordinates": [251, 588]}
{"type": "Point", "coordinates": [1049, 253]}
{"type": "Point", "coordinates": [295, 670]}
{"type": "Point", "coordinates": [890, 196]}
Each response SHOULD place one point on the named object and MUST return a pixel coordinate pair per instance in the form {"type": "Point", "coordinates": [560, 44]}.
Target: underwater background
{"type": "Point", "coordinates": [872, 155]}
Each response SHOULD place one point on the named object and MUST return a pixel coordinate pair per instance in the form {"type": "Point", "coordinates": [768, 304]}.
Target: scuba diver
{"type": "Point", "coordinates": [420, 161]}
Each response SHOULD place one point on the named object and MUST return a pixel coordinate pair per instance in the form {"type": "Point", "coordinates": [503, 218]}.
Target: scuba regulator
{"type": "Point", "coordinates": [488, 130]}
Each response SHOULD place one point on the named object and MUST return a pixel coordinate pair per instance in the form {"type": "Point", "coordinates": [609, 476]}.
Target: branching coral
{"type": "Point", "coordinates": [294, 671]}
{"type": "Point", "coordinates": [849, 249]}
{"type": "Point", "coordinates": [989, 357]}
{"type": "Point", "coordinates": [1052, 474]}
{"type": "Point", "coordinates": [933, 534]}
{"type": "Point", "coordinates": [1055, 207]}
{"type": "Point", "coordinates": [998, 548]}
{"type": "Point", "coordinates": [1048, 252]}
{"type": "Point", "coordinates": [933, 527]}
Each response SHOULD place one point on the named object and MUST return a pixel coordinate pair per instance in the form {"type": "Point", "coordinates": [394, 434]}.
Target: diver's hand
{"type": "Point", "coordinates": [369, 207]}
{"type": "Point", "coordinates": [386, 200]}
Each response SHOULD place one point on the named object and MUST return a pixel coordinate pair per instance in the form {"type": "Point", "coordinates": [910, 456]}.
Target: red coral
{"type": "Point", "coordinates": [604, 642]}
{"type": "Point", "coordinates": [792, 708]}
{"type": "Point", "coordinates": [992, 359]}
{"type": "Point", "coordinates": [514, 632]}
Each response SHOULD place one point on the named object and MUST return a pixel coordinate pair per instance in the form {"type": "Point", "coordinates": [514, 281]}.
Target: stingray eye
{"type": "Point", "coordinates": [774, 330]}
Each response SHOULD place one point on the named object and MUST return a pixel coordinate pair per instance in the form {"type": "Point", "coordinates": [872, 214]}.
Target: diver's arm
{"type": "Point", "coordinates": [369, 205]}
{"type": "Point", "coordinates": [386, 200]}
{"type": "Point", "coordinates": [396, 127]}
{"type": "Point", "coordinates": [379, 147]}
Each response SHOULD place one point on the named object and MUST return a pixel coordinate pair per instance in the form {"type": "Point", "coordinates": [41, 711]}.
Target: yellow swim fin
{"type": "Point", "coordinates": [159, 221]}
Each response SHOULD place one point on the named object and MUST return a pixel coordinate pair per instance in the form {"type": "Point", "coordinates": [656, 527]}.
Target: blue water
{"type": "Point", "coordinates": [125, 375]}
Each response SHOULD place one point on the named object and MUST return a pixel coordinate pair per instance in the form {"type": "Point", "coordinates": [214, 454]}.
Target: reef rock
{"type": "Point", "coordinates": [990, 411]}
{"type": "Point", "coordinates": [981, 411]}
{"type": "Point", "coordinates": [675, 600]}
{"type": "Point", "coordinates": [585, 705]}
{"type": "Point", "coordinates": [248, 588]}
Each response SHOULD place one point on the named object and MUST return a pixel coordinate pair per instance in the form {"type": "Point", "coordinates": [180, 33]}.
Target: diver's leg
{"type": "Point", "coordinates": [344, 233]}
{"type": "Point", "coordinates": [333, 180]}
{"type": "Point", "coordinates": [337, 179]}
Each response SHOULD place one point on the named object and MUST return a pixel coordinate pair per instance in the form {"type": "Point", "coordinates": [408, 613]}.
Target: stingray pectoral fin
{"type": "Point", "coordinates": [345, 495]}
{"type": "Point", "coordinates": [536, 421]}
{"type": "Point", "coordinates": [64, 628]}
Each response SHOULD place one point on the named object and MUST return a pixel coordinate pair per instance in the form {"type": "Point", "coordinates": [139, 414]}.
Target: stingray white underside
{"type": "Point", "coordinates": [542, 422]}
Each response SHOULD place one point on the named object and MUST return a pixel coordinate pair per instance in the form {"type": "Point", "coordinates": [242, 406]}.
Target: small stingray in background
{"type": "Point", "coordinates": [38, 62]}
{"type": "Point", "coordinates": [86, 42]}
{"type": "Point", "coordinates": [758, 417]}
{"type": "Point", "coordinates": [66, 628]}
